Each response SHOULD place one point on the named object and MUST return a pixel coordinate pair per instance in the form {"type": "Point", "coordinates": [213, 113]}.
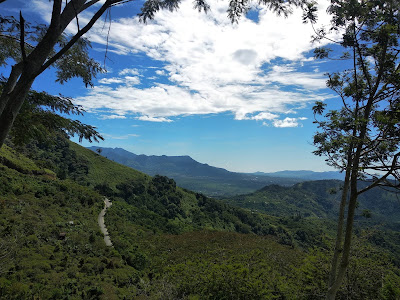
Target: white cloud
{"type": "Point", "coordinates": [213, 66]}
{"type": "Point", "coordinates": [153, 119]}
{"type": "Point", "coordinates": [263, 116]}
{"type": "Point", "coordinates": [288, 122]}
{"type": "Point", "coordinates": [128, 80]}
{"type": "Point", "coordinates": [110, 80]}
{"type": "Point", "coordinates": [287, 75]}
{"type": "Point", "coordinates": [167, 101]}
{"type": "Point", "coordinates": [132, 80]}
{"type": "Point", "coordinates": [129, 72]}
{"type": "Point", "coordinates": [111, 117]}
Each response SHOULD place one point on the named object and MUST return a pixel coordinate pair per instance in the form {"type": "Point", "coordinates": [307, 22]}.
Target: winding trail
{"type": "Point", "coordinates": [107, 240]}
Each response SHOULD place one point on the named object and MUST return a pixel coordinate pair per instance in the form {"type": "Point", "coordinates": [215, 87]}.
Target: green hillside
{"type": "Point", "coordinates": [320, 199]}
{"type": "Point", "coordinates": [316, 202]}
{"type": "Point", "coordinates": [169, 243]}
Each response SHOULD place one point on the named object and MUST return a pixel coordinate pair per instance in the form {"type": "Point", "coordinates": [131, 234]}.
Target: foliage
{"type": "Point", "coordinates": [34, 48]}
{"type": "Point", "coordinates": [320, 199]}
{"type": "Point", "coordinates": [169, 243]}
{"type": "Point", "coordinates": [235, 11]}
{"type": "Point", "coordinates": [362, 138]}
{"type": "Point", "coordinates": [74, 63]}
{"type": "Point", "coordinates": [34, 211]}
{"type": "Point", "coordinates": [369, 117]}
{"type": "Point", "coordinates": [39, 119]}
{"type": "Point", "coordinates": [369, 277]}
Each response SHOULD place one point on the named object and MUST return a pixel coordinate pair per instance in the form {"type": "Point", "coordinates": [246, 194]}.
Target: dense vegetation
{"type": "Point", "coordinates": [378, 210]}
{"type": "Point", "coordinates": [169, 243]}
{"type": "Point", "coordinates": [321, 199]}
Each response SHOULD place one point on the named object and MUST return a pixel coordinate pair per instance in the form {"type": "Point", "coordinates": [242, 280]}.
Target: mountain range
{"type": "Point", "coordinates": [209, 180]}
{"type": "Point", "coordinates": [305, 175]}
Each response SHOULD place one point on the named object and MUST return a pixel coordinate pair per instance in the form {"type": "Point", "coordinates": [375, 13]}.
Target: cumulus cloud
{"type": "Point", "coordinates": [111, 117]}
{"type": "Point", "coordinates": [287, 75]}
{"type": "Point", "coordinates": [110, 80]}
{"type": "Point", "coordinates": [132, 80]}
{"type": "Point", "coordinates": [166, 101]}
{"type": "Point", "coordinates": [160, 72]}
{"type": "Point", "coordinates": [129, 72]}
{"type": "Point", "coordinates": [263, 116]}
{"type": "Point", "coordinates": [153, 119]}
{"type": "Point", "coordinates": [213, 66]}
{"type": "Point", "coordinates": [128, 80]}
{"type": "Point", "coordinates": [288, 122]}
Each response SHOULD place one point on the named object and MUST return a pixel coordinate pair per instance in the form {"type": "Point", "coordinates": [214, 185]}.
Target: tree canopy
{"type": "Point", "coordinates": [361, 138]}
{"type": "Point", "coordinates": [43, 115]}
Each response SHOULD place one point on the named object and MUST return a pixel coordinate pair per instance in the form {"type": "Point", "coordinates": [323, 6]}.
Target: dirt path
{"type": "Point", "coordinates": [107, 240]}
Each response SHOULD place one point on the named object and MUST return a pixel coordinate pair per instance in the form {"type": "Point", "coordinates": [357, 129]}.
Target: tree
{"type": "Point", "coordinates": [35, 50]}
{"type": "Point", "coordinates": [39, 120]}
{"type": "Point", "coordinates": [362, 138]}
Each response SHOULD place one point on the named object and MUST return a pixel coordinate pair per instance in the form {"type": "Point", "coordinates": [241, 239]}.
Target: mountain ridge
{"type": "Point", "coordinates": [201, 177]}
{"type": "Point", "coordinates": [304, 174]}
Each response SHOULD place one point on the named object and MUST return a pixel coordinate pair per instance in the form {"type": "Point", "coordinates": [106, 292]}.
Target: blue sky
{"type": "Point", "coordinates": [236, 96]}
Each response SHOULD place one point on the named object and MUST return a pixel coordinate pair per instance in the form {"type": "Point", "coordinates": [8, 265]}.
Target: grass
{"type": "Point", "coordinates": [102, 170]}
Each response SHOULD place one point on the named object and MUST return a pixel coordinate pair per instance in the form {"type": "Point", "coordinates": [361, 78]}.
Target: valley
{"type": "Point", "coordinates": [273, 242]}
{"type": "Point", "coordinates": [206, 179]}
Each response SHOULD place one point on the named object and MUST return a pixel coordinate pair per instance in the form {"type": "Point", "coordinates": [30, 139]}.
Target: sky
{"type": "Point", "coordinates": [236, 96]}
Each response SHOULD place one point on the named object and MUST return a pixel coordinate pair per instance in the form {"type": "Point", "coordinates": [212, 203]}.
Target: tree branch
{"type": "Point", "coordinates": [87, 5]}
{"type": "Point", "coordinates": [16, 39]}
{"type": "Point", "coordinates": [22, 36]}
{"type": "Point", "coordinates": [76, 37]}
{"type": "Point", "coordinates": [55, 15]}
{"type": "Point", "coordinates": [76, 16]}
{"type": "Point", "coordinates": [376, 183]}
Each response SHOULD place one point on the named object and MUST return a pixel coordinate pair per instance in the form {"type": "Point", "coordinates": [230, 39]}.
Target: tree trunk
{"type": "Point", "coordinates": [13, 103]}
{"type": "Point", "coordinates": [24, 73]}
{"type": "Point", "coordinates": [339, 235]}
{"type": "Point", "coordinates": [10, 85]}
{"type": "Point", "coordinates": [332, 291]}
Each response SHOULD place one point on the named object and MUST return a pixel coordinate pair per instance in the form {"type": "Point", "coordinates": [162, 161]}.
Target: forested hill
{"type": "Point", "coordinates": [169, 243]}
{"type": "Point", "coordinates": [190, 174]}
{"type": "Point", "coordinates": [51, 247]}
{"type": "Point", "coordinates": [321, 199]}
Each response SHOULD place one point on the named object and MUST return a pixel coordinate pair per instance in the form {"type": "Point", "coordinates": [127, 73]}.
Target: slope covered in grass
{"type": "Point", "coordinates": [169, 243]}
{"type": "Point", "coordinates": [320, 199]}
{"type": "Point", "coordinates": [50, 245]}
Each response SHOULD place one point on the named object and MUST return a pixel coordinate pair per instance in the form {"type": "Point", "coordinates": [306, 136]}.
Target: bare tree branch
{"type": "Point", "coordinates": [76, 16]}
{"type": "Point", "coordinates": [108, 34]}
{"type": "Point", "coordinates": [22, 36]}
{"type": "Point", "coordinates": [16, 39]}
{"type": "Point", "coordinates": [76, 37]}
{"type": "Point", "coordinates": [382, 178]}
{"type": "Point", "coordinates": [87, 5]}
